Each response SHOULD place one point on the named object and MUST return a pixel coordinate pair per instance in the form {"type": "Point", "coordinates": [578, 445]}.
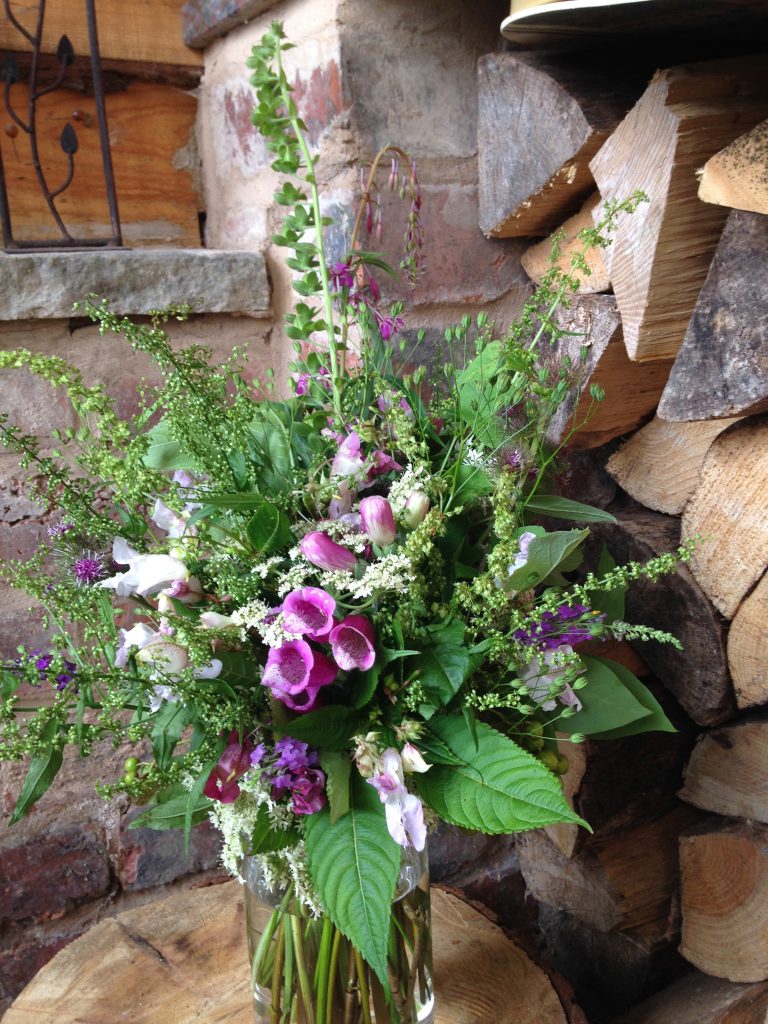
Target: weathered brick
{"type": "Point", "coordinates": [150, 857]}
{"type": "Point", "coordinates": [20, 964]}
{"type": "Point", "coordinates": [45, 876]}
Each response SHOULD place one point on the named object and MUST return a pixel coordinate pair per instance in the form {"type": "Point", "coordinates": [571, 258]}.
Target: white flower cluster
{"type": "Point", "coordinates": [413, 478]}
{"type": "Point", "coordinates": [473, 456]}
{"type": "Point", "coordinates": [256, 615]}
{"type": "Point", "coordinates": [389, 573]}
{"type": "Point", "coordinates": [263, 569]}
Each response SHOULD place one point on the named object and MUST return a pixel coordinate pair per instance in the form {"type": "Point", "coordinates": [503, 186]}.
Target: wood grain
{"type": "Point", "coordinates": [746, 648]}
{"type": "Point", "coordinates": [537, 260]}
{"type": "Point", "coordinates": [700, 999]}
{"type": "Point", "coordinates": [183, 961]}
{"type": "Point", "coordinates": [728, 771]}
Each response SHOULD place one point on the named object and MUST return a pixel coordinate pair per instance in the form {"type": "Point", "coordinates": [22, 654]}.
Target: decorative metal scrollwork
{"type": "Point", "coordinates": [25, 125]}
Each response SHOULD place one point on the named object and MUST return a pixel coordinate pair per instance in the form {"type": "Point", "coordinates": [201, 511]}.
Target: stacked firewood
{"type": "Point", "coordinates": [670, 893]}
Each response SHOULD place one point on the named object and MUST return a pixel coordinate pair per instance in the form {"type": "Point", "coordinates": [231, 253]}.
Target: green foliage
{"type": "Point", "coordinates": [265, 838]}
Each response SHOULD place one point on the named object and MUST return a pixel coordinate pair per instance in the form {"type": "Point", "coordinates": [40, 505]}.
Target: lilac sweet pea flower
{"type": "Point", "coordinates": [403, 810]}
{"type": "Point", "coordinates": [348, 460]}
{"type": "Point", "coordinates": [352, 643]}
{"type": "Point", "coordinates": [521, 557]}
{"type": "Point", "coordinates": [309, 612]}
{"type": "Point", "coordinates": [318, 548]}
{"type": "Point", "coordinates": [378, 520]}
{"type": "Point", "coordinates": [542, 673]}
{"type": "Point", "coordinates": [295, 673]}
{"type": "Point", "coordinates": [146, 573]}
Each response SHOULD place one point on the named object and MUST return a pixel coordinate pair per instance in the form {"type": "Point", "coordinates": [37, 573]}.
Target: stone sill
{"type": "Point", "coordinates": [206, 20]}
{"type": "Point", "coordinates": [46, 285]}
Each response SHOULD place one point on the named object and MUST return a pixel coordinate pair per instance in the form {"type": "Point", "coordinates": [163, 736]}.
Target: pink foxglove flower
{"type": "Point", "coordinates": [146, 573]}
{"type": "Point", "coordinates": [295, 673]}
{"type": "Point", "coordinates": [416, 508]}
{"type": "Point", "coordinates": [403, 810]}
{"type": "Point", "coordinates": [309, 612]}
{"type": "Point", "coordinates": [318, 548]}
{"type": "Point", "coordinates": [352, 643]}
{"type": "Point", "coordinates": [378, 520]}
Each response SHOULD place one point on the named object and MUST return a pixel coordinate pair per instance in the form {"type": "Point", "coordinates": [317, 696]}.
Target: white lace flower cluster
{"type": "Point", "coordinates": [413, 478]}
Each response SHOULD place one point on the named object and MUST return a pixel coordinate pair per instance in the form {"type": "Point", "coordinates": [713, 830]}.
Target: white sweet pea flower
{"type": "Point", "coordinates": [544, 671]}
{"type": "Point", "coordinates": [521, 557]}
{"type": "Point", "coordinates": [146, 573]}
{"type": "Point", "coordinates": [137, 636]}
{"type": "Point", "coordinates": [215, 620]}
{"type": "Point", "coordinates": [403, 810]}
{"type": "Point", "coordinates": [159, 694]}
{"type": "Point", "coordinates": [412, 759]}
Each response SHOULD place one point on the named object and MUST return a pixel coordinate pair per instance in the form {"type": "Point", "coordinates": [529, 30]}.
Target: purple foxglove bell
{"type": "Point", "coordinates": [378, 520]}
{"type": "Point", "coordinates": [352, 643]}
{"type": "Point", "coordinates": [309, 612]}
{"type": "Point", "coordinates": [318, 548]}
{"type": "Point", "coordinates": [295, 673]}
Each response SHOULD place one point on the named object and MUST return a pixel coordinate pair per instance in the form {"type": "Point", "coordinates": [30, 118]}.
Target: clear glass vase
{"type": "Point", "coordinates": [304, 971]}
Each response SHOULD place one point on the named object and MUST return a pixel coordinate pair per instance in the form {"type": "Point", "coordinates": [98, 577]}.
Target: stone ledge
{"type": "Point", "coordinates": [45, 285]}
{"type": "Point", "coordinates": [206, 20]}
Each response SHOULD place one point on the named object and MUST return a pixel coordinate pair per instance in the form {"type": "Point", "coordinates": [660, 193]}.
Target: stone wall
{"type": "Point", "coordinates": [368, 72]}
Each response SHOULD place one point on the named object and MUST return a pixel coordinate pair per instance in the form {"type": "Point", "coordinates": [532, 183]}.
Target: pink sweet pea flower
{"type": "Point", "coordinates": [318, 548]}
{"type": "Point", "coordinates": [378, 520]}
{"type": "Point", "coordinates": [352, 643]}
{"type": "Point", "coordinates": [309, 612]}
{"type": "Point", "coordinates": [295, 673]}
{"type": "Point", "coordinates": [233, 764]}
{"type": "Point", "coordinates": [403, 810]}
{"type": "Point", "coordinates": [348, 460]}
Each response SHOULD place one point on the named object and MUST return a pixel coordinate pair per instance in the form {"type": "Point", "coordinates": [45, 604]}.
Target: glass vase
{"type": "Point", "coordinates": [304, 970]}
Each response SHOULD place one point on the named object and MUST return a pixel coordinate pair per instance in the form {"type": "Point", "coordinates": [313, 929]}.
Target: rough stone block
{"type": "Point", "coordinates": [46, 285]}
{"type": "Point", "coordinates": [150, 857]}
{"type": "Point", "coordinates": [21, 963]}
{"type": "Point", "coordinates": [205, 20]}
{"type": "Point", "coordinates": [44, 877]}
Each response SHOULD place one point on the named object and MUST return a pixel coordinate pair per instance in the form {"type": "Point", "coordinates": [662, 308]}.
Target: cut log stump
{"type": "Point", "coordinates": [537, 260]}
{"type": "Point", "coordinates": [183, 960]}
{"type": "Point", "coordinates": [660, 464]}
{"type": "Point", "coordinates": [724, 900]}
{"type": "Point", "coordinates": [722, 368]}
{"type": "Point", "coordinates": [737, 176]}
{"type": "Point", "coordinates": [700, 999]}
{"type": "Point", "coordinates": [660, 254]}
{"type": "Point", "coordinates": [727, 512]}
{"type": "Point", "coordinates": [540, 121]}
{"type": "Point", "coordinates": [746, 648]}
{"type": "Point", "coordinates": [728, 771]}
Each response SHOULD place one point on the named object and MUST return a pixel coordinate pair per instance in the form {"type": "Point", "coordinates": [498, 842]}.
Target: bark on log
{"type": "Point", "coordinates": [722, 368]}
{"type": "Point", "coordinates": [700, 999]}
{"type": "Point", "coordinates": [537, 260]}
{"type": "Point", "coordinates": [728, 771]}
{"type": "Point", "coordinates": [661, 253]}
{"type": "Point", "coordinates": [540, 121]}
{"type": "Point", "coordinates": [660, 464]}
{"type": "Point", "coordinates": [746, 648]}
{"type": "Point", "coordinates": [697, 676]}
{"type": "Point", "coordinates": [737, 176]}
{"type": "Point", "coordinates": [728, 513]}
{"type": "Point", "coordinates": [724, 900]}
{"type": "Point", "coordinates": [631, 391]}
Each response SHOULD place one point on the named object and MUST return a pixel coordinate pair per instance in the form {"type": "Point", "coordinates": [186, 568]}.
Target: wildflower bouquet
{"type": "Point", "coordinates": [329, 620]}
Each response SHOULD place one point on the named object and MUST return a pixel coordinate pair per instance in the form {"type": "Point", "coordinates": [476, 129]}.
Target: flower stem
{"type": "Point", "coordinates": [323, 970]}
{"type": "Point", "coordinates": [301, 970]}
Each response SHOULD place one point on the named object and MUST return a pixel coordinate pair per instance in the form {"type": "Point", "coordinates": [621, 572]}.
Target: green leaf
{"type": "Point", "coordinates": [164, 451]}
{"type": "Point", "coordinates": [565, 508]}
{"type": "Point", "coordinates": [362, 685]}
{"type": "Point", "coordinates": [607, 704]}
{"type": "Point", "coordinates": [265, 838]}
{"type": "Point", "coordinates": [654, 721]}
{"type": "Point", "coordinates": [269, 529]}
{"type": "Point", "coordinates": [42, 771]}
{"type": "Point", "coordinates": [337, 768]}
{"type": "Point", "coordinates": [497, 788]}
{"type": "Point", "coordinates": [330, 727]}
{"type": "Point", "coordinates": [354, 864]}
{"type": "Point", "coordinates": [545, 554]}
{"type": "Point", "coordinates": [168, 726]}
{"type": "Point", "coordinates": [470, 483]}
{"type": "Point", "coordinates": [238, 501]}
{"type": "Point", "coordinates": [170, 808]}
{"type": "Point", "coordinates": [609, 602]}
{"type": "Point", "coordinates": [442, 668]}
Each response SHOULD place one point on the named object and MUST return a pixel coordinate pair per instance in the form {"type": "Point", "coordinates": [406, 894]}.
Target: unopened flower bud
{"type": "Point", "coordinates": [378, 520]}
{"type": "Point", "coordinates": [366, 754]}
{"type": "Point", "coordinates": [168, 657]}
{"type": "Point", "coordinates": [412, 759]}
{"type": "Point", "coordinates": [416, 508]}
{"type": "Point", "coordinates": [318, 548]}
{"type": "Point", "coordinates": [215, 620]}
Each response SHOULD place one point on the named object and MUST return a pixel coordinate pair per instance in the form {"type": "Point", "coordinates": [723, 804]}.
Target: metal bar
{"type": "Point", "coordinates": [101, 114]}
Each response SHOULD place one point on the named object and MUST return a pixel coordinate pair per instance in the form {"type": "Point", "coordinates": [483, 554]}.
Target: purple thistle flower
{"type": "Point", "coordinates": [57, 530]}
{"type": "Point", "coordinates": [88, 569]}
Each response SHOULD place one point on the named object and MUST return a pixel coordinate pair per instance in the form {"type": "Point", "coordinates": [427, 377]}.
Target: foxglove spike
{"type": "Point", "coordinates": [68, 140]}
{"type": "Point", "coordinates": [65, 53]}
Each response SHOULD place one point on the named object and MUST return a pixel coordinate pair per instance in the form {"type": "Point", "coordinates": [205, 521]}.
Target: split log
{"type": "Point", "coordinates": [661, 253]}
{"type": "Point", "coordinates": [537, 260]}
{"type": "Point", "coordinates": [722, 368]}
{"type": "Point", "coordinates": [737, 176]}
{"type": "Point", "coordinates": [727, 513]}
{"type": "Point", "coordinates": [184, 959]}
{"type": "Point", "coordinates": [697, 676]}
{"type": "Point", "coordinates": [728, 771]}
{"type": "Point", "coordinates": [660, 464]}
{"type": "Point", "coordinates": [746, 648]}
{"type": "Point", "coordinates": [700, 999]}
{"type": "Point", "coordinates": [724, 900]}
{"type": "Point", "coordinates": [540, 121]}
{"type": "Point", "coordinates": [631, 391]}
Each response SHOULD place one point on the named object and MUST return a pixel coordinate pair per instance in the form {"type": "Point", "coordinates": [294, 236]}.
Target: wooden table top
{"type": "Point", "coordinates": [183, 960]}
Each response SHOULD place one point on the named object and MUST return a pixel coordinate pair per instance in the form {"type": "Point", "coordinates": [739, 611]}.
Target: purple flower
{"type": "Point", "coordinates": [382, 463]}
{"type": "Point", "coordinates": [294, 755]}
{"type": "Point", "coordinates": [348, 460]}
{"type": "Point", "coordinates": [88, 569]}
{"type": "Point", "coordinates": [57, 530]}
{"type": "Point", "coordinates": [309, 612]}
{"type": "Point", "coordinates": [308, 792]}
{"type": "Point", "coordinates": [232, 765]}
{"type": "Point", "coordinates": [388, 325]}
{"type": "Point", "coordinates": [318, 548]}
{"type": "Point", "coordinates": [295, 673]}
{"type": "Point", "coordinates": [557, 628]}
{"type": "Point", "coordinates": [403, 810]}
{"type": "Point", "coordinates": [352, 643]}
{"type": "Point", "coordinates": [341, 276]}
{"type": "Point", "coordinates": [378, 520]}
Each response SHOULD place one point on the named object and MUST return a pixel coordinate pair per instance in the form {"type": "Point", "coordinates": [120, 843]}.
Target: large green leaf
{"type": "Point", "coordinates": [164, 450]}
{"type": "Point", "coordinates": [607, 704]}
{"type": "Point", "coordinates": [354, 864]}
{"type": "Point", "coordinates": [496, 788]}
{"type": "Point", "coordinates": [42, 771]}
{"type": "Point", "coordinates": [269, 529]}
{"type": "Point", "coordinates": [167, 729]}
{"type": "Point", "coordinates": [337, 768]}
{"type": "Point", "coordinates": [442, 668]}
{"type": "Point", "coordinates": [267, 839]}
{"type": "Point", "coordinates": [565, 508]}
{"type": "Point", "coordinates": [654, 721]}
{"type": "Point", "coordinates": [171, 809]}
{"type": "Point", "coordinates": [545, 554]}
{"type": "Point", "coordinates": [330, 727]}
